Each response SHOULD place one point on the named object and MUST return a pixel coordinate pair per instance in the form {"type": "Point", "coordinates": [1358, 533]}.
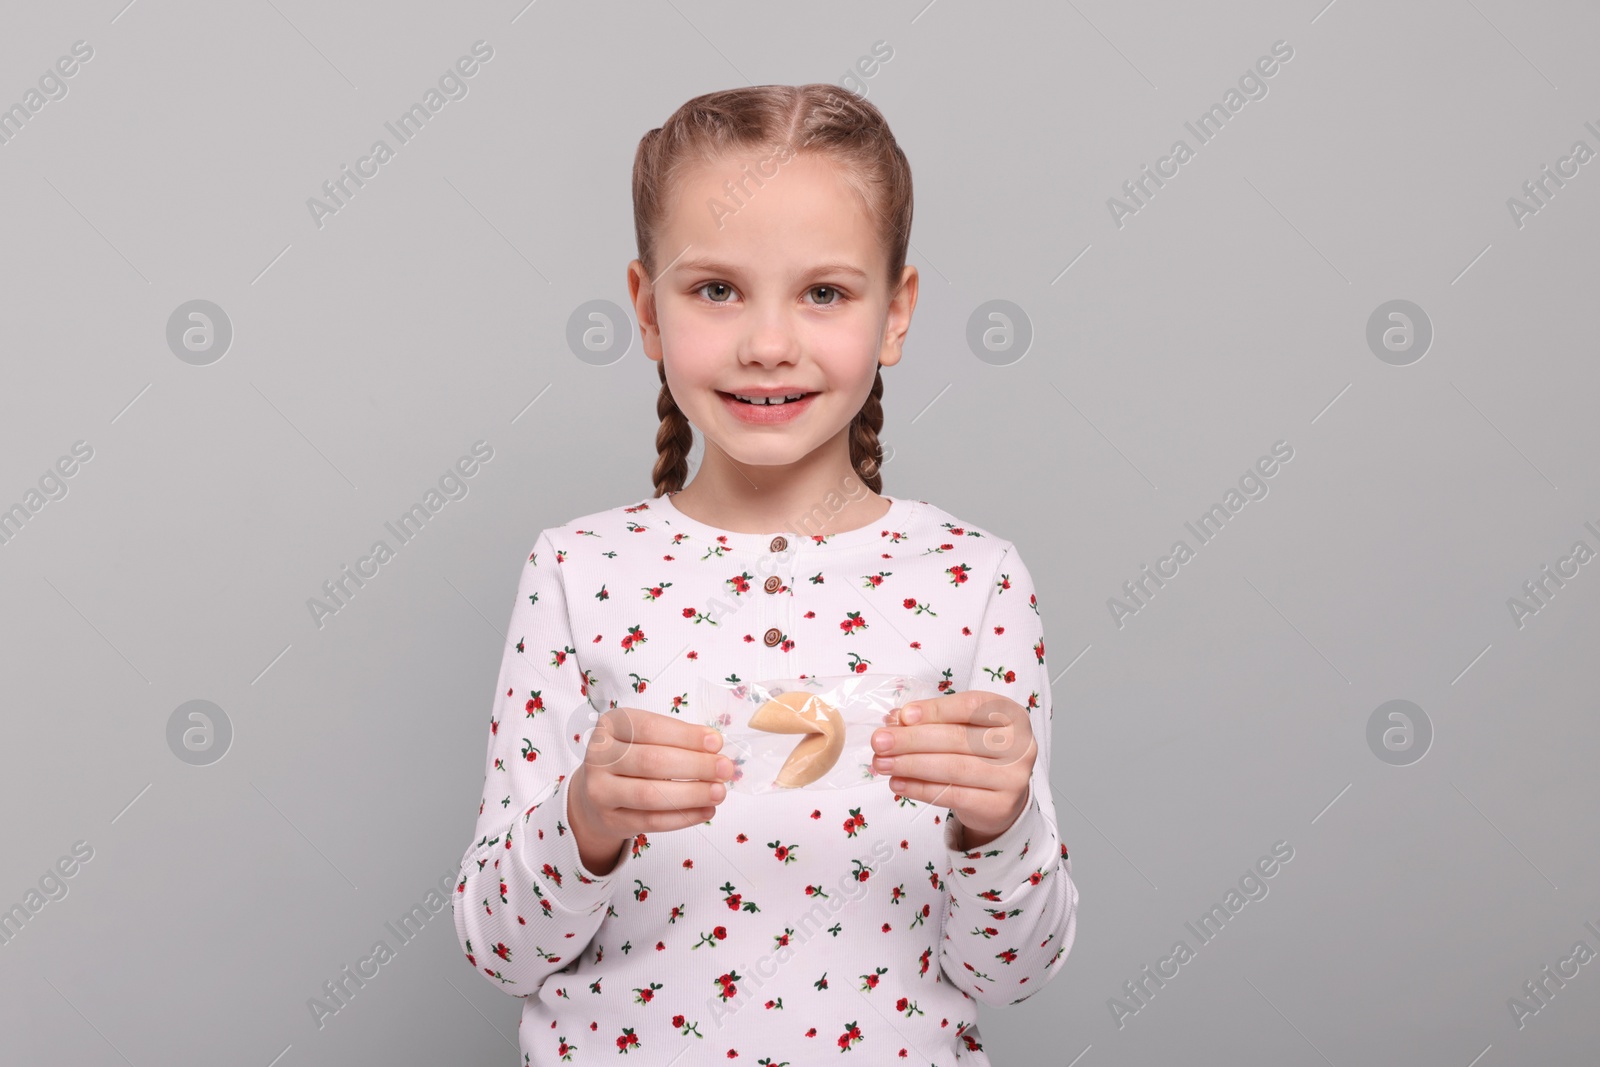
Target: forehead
{"type": "Point", "coordinates": [755, 211]}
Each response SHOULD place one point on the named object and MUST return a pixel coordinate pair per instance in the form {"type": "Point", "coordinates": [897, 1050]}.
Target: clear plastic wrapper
{"type": "Point", "coordinates": [805, 733]}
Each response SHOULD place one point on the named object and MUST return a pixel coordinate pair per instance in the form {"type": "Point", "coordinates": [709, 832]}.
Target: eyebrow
{"type": "Point", "coordinates": [711, 266]}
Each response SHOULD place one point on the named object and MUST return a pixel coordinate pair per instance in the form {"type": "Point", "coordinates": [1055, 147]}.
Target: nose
{"type": "Point", "coordinates": [769, 338]}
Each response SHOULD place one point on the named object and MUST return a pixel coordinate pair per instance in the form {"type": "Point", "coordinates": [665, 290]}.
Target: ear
{"type": "Point", "coordinates": [898, 320]}
{"type": "Point", "coordinates": [642, 294]}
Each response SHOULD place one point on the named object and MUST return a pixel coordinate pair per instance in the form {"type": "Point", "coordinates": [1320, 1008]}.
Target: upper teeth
{"type": "Point", "coordinates": [770, 399]}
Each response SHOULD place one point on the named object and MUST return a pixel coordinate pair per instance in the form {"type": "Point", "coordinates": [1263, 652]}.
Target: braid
{"type": "Point", "coordinates": [866, 453]}
{"type": "Point", "coordinates": [673, 440]}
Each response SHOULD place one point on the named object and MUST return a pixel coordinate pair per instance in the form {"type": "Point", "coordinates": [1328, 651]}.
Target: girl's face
{"type": "Point", "coordinates": [771, 289]}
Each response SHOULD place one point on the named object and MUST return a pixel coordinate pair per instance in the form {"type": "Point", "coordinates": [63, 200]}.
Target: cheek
{"type": "Point", "coordinates": [848, 352]}
{"type": "Point", "coordinates": [694, 353]}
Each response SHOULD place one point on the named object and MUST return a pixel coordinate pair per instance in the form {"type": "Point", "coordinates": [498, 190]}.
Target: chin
{"type": "Point", "coordinates": [778, 454]}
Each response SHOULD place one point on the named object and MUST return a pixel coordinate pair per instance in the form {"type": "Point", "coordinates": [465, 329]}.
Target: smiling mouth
{"type": "Point", "coordinates": [773, 401]}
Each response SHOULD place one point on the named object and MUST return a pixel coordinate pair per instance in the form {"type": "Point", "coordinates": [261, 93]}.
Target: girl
{"type": "Point", "coordinates": [637, 904]}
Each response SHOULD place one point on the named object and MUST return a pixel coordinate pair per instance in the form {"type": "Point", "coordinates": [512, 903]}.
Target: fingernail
{"type": "Point", "coordinates": [882, 740]}
{"type": "Point", "coordinates": [718, 791]}
{"type": "Point", "coordinates": [713, 740]}
{"type": "Point", "coordinates": [911, 713]}
{"type": "Point", "coordinates": [724, 768]}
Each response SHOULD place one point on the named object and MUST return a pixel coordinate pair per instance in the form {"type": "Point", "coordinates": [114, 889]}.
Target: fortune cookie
{"type": "Point", "coordinates": [799, 712]}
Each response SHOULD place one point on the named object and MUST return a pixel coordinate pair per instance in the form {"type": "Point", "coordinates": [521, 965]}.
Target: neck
{"type": "Point", "coordinates": [817, 495]}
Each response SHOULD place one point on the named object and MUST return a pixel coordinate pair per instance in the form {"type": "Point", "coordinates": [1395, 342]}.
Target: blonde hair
{"type": "Point", "coordinates": [817, 118]}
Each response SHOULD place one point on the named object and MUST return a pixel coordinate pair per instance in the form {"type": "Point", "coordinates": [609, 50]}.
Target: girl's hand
{"type": "Point", "coordinates": [973, 752]}
{"type": "Point", "coordinates": [645, 772]}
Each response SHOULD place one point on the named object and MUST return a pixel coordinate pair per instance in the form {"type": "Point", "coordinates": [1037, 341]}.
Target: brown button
{"type": "Point", "coordinates": [779, 543]}
{"type": "Point", "coordinates": [771, 584]}
{"type": "Point", "coordinates": [772, 636]}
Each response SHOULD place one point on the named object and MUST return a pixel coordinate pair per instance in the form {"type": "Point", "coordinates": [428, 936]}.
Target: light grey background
{"type": "Point", "coordinates": [432, 311]}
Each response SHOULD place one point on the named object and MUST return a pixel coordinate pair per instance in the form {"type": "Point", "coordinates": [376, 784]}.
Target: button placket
{"type": "Point", "coordinates": [786, 600]}
{"type": "Point", "coordinates": [776, 609]}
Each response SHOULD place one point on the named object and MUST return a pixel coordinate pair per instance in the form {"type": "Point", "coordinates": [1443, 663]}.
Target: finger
{"type": "Point", "coordinates": [973, 707]}
{"type": "Point", "coordinates": [658, 822]}
{"type": "Point", "coordinates": [646, 794]}
{"type": "Point", "coordinates": [649, 727]}
{"type": "Point", "coordinates": [926, 737]}
{"type": "Point", "coordinates": [669, 763]}
{"type": "Point", "coordinates": [997, 746]}
{"type": "Point", "coordinates": [996, 728]}
{"type": "Point", "coordinates": [944, 793]}
{"type": "Point", "coordinates": [948, 767]}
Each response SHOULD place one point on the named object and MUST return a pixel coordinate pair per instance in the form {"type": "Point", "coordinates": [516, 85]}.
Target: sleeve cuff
{"type": "Point", "coordinates": [1020, 857]}
{"type": "Point", "coordinates": [547, 850]}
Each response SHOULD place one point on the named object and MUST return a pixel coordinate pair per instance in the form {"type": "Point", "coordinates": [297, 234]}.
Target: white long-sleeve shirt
{"type": "Point", "coordinates": [794, 925]}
